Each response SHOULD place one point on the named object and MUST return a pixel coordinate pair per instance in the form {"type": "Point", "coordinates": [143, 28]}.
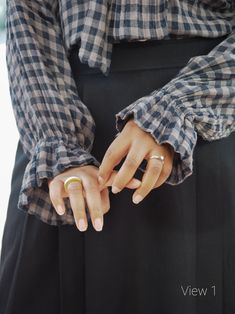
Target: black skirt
{"type": "Point", "coordinates": [149, 258]}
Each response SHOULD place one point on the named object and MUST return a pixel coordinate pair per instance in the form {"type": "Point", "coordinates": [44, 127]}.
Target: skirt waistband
{"type": "Point", "coordinates": [150, 54]}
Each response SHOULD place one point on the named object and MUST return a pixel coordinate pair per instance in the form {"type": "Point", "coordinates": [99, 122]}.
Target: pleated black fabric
{"type": "Point", "coordinates": [149, 256]}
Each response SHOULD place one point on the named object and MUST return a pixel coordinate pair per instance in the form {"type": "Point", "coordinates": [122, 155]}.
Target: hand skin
{"type": "Point", "coordinates": [89, 192]}
{"type": "Point", "coordinates": [132, 143]}
{"type": "Point", "coordinates": [136, 145]}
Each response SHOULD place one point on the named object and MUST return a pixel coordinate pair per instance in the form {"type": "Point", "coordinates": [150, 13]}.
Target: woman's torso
{"type": "Point", "coordinates": [99, 24]}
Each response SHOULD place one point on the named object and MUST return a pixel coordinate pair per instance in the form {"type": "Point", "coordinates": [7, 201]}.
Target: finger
{"type": "Point", "coordinates": [129, 167]}
{"type": "Point", "coordinates": [56, 192]}
{"type": "Point", "coordinates": [112, 157]}
{"type": "Point", "coordinates": [150, 177]}
{"type": "Point", "coordinates": [94, 202]}
{"type": "Point", "coordinates": [160, 181]}
{"type": "Point", "coordinates": [132, 184]}
{"type": "Point", "coordinates": [166, 171]}
{"type": "Point", "coordinates": [77, 202]}
{"type": "Point", "coordinates": [105, 200]}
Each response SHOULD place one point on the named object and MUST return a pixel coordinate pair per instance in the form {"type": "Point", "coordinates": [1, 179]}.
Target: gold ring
{"type": "Point", "coordinates": [159, 157]}
{"type": "Point", "coordinates": [70, 180]}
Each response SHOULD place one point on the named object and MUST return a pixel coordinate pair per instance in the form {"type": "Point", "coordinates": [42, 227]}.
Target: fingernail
{"type": "Point", "coordinates": [81, 225]}
{"type": "Point", "coordinates": [60, 210]}
{"type": "Point", "coordinates": [138, 198]}
{"type": "Point", "coordinates": [98, 224]}
{"type": "Point", "coordinates": [137, 182]}
{"type": "Point", "coordinates": [100, 180]}
{"type": "Point", "coordinates": [115, 189]}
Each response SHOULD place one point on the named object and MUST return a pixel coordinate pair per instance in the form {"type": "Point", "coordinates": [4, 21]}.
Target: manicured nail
{"type": "Point", "coordinates": [136, 183]}
{"type": "Point", "coordinates": [115, 189]}
{"type": "Point", "coordinates": [60, 210]}
{"type": "Point", "coordinates": [138, 198]}
{"type": "Point", "coordinates": [100, 180]}
{"type": "Point", "coordinates": [98, 224]}
{"type": "Point", "coordinates": [81, 225]}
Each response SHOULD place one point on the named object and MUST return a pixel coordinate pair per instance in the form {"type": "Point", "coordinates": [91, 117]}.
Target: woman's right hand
{"type": "Point", "coordinates": [81, 194]}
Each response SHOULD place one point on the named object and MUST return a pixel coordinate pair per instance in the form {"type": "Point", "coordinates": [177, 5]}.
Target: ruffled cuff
{"type": "Point", "coordinates": [50, 158]}
{"type": "Point", "coordinates": [168, 121]}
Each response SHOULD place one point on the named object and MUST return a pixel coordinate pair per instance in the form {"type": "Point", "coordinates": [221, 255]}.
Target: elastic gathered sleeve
{"type": "Point", "coordinates": [200, 99]}
{"type": "Point", "coordinates": [56, 129]}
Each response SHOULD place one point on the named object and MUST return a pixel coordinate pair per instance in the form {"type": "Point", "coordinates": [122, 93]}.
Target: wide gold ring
{"type": "Point", "coordinates": [70, 180]}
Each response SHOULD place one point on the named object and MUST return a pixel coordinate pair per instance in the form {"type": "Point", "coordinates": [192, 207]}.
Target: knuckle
{"type": "Point", "coordinates": [131, 162]}
{"type": "Point", "coordinates": [120, 186]}
{"type": "Point", "coordinates": [156, 169]}
{"type": "Point", "coordinates": [79, 214]}
{"type": "Point", "coordinates": [74, 187]}
{"type": "Point", "coordinates": [96, 213]}
{"type": "Point", "coordinates": [91, 185]}
{"type": "Point", "coordinates": [78, 209]}
{"type": "Point", "coordinates": [110, 154]}
{"type": "Point", "coordinates": [118, 182]}
{"type": "Point", "coordinates": [145, 189]}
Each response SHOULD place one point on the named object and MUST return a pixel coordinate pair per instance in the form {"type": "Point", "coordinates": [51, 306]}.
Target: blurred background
{"type": "Point", "coordinates": [8, 130]}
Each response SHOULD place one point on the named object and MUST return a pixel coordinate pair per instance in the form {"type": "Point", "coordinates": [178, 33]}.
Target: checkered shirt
{"type": "Point", "coordinates": [56, 128]}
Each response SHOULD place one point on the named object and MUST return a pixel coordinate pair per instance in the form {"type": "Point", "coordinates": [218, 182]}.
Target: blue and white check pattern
{"type": "Point", "coordinates": [56, 128]}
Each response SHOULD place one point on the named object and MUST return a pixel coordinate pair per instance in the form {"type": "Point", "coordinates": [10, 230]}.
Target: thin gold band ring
{"type": "Point", "coordinates": [159, 157]}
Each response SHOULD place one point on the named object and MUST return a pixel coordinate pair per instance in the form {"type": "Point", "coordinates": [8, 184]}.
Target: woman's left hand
{"type": "Point", "coordinates": [136, 145]}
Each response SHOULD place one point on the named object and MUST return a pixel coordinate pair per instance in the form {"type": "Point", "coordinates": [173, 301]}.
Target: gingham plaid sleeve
{"type": "Point", "coordinates": [200, 99]}
{"type": "Point", "coordinates": [56, 129]}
